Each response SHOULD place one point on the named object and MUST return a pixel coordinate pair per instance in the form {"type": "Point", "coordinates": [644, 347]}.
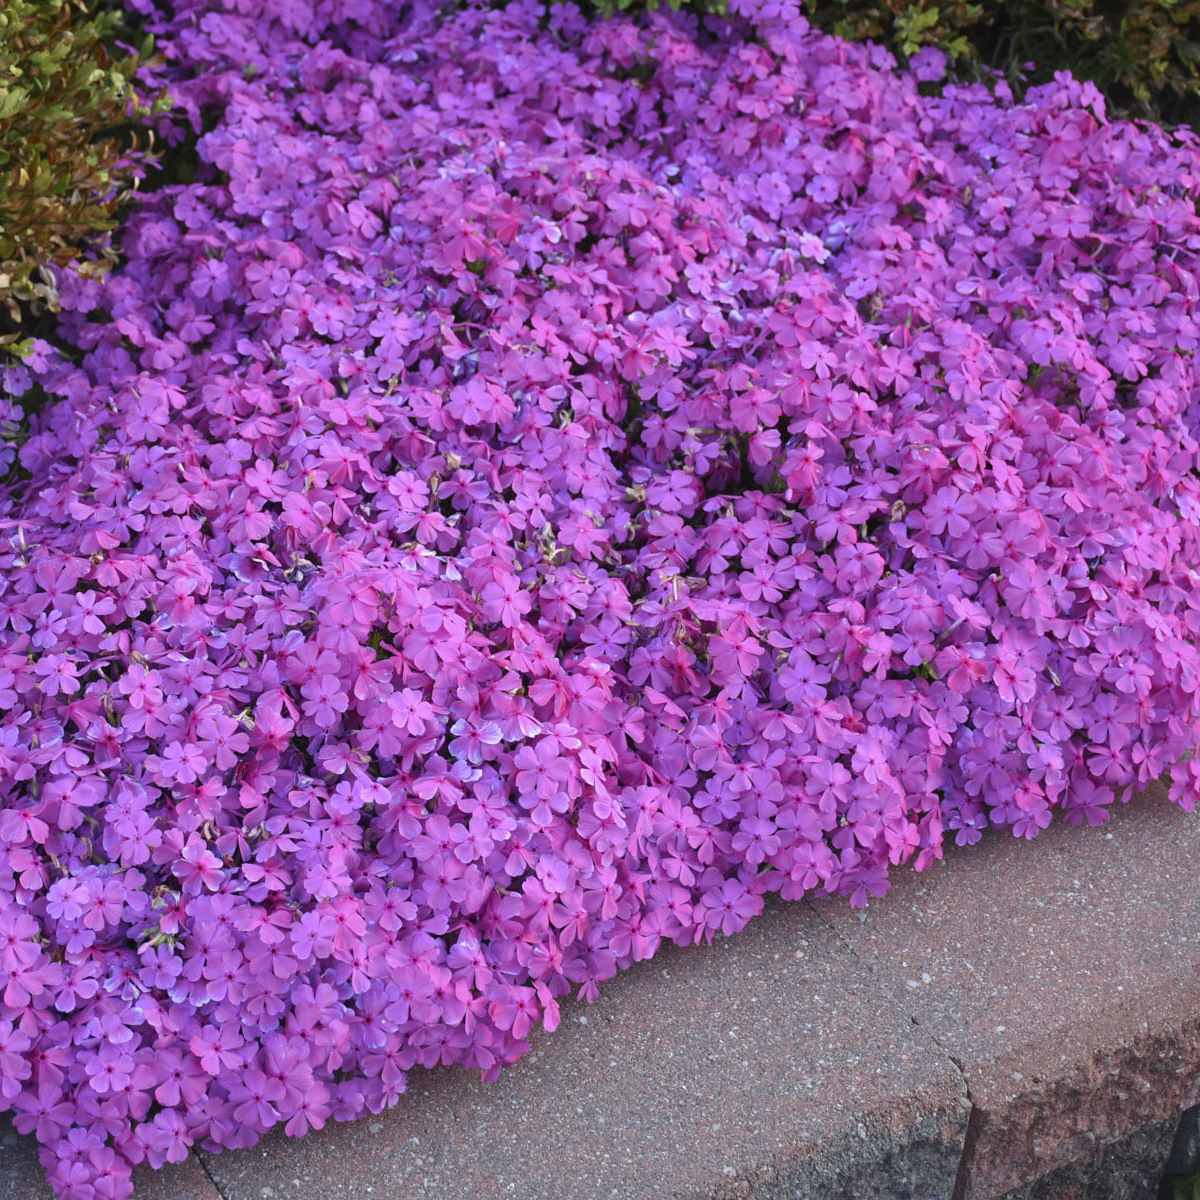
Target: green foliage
{"type": "Point", "coordinates": [1186, 1187]}
{"type": "Point", "coordinates": [607, 8]}
{"type": "Point", "coordinates": [906, 27]}
{"type": "Point", "coordinates": [1143, 54]}
{"type": "Point", "coordinates": [71, 148]}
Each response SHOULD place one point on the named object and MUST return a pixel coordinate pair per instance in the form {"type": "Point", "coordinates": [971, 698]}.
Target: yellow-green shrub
{"type": "Point", "coordinates": [71, 147]}
{"type": "Point", "coordinates": [1144, 54]}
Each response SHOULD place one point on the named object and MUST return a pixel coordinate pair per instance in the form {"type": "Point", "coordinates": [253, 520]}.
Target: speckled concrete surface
{"type": "Point", "coordinates": [716, 1069]}
{"type": "Point", "coordinates": [1064, 976]}
{"type": "Point", "coordinates": [22, 1177]}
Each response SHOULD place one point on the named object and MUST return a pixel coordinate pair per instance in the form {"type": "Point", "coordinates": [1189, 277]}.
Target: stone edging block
{"type": "Point", "coordinates": [1062, 977]}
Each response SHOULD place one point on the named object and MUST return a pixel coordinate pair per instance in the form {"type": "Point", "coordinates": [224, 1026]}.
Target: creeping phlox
{"type": "Point", "coordinates": [546, 485]}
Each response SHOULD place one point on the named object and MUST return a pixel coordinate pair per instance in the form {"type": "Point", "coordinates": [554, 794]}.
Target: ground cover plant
{"type": "Point", "coordinates": [538, 491]}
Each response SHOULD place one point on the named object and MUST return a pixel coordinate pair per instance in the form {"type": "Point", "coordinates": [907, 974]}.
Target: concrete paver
{"type": "Point", "coordinates": [1063, 975]}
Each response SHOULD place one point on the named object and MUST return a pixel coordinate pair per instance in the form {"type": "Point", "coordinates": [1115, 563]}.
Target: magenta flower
{"type": "Point", "coordinates": [222, 736]}
{"type": "Point", "coordinates": [57, 673]}
{"type": "Point", "coordinates": [198, 866]}
{"type": "Point", "coordinates": [729, 907]}
{"type": "Point", "coordinates": [324, 700]}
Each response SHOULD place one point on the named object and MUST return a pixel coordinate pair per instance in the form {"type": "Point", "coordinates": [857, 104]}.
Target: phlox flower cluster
{"type": "Point", "coordinates": [545, 486]}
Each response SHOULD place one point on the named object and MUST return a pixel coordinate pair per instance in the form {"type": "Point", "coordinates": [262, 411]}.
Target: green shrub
{"type": "Point", "coordinates": [906, 27]}
{"type": "Point", "coordinates": [1185, 1187]}
{"type": "Point", "coordinates": [1144, 54]}
{"type": "Point", "coordinates": [607, 8]}
{"type": "Point", "coordinates": [71, 148]}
